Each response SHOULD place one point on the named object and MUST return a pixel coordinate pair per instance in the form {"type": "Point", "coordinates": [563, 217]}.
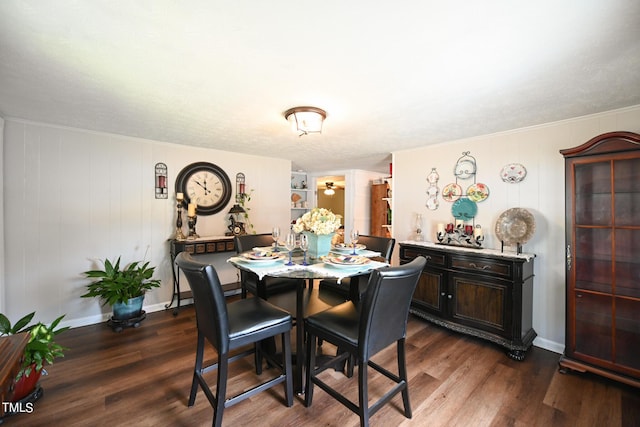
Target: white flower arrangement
{"type": "Point", "coordinates": [318, 221]}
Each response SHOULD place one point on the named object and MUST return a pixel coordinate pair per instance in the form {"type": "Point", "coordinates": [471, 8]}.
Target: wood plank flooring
{"type": "Point", "coordinates": [141, 377]}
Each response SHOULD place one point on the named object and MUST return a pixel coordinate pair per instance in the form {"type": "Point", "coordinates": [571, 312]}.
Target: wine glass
{"type": "Point", "coordinates": [304, 245]}
{"type": "Point", "coordinates": [290, 244]}
{"type": "Point", "coordinates": [354, 239]}
{"type": "Point", "coordinates": [275, 233]}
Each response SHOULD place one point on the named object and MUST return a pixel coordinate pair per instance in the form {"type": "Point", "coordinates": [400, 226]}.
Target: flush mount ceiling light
{"type": "Point", "coordinates": [305, 120]}
{"type": "Point", "coordinates": [329, 191]}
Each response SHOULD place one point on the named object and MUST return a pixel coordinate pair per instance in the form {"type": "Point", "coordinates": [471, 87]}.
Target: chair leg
{"type": "Point", "coordinates": [402, 373]}
{"type": "Point", "coordinates": [196, 370]}
{"type": "Point", "coordinates": [286, 367]}
{"type": "Point", "coordinates": [257, 356]}
{"type": "Point", "coordinates": [221, 389]}
{"type": "Point", "coordinates": [311, 364]}
{"type": "Point", "coordinates": [363, 394]}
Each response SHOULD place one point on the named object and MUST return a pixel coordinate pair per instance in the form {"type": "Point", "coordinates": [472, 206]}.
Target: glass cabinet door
{"type": "Point", "coordinates": [602, 179]}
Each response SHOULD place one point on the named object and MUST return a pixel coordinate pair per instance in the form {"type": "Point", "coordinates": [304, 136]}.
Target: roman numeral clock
{"type": "Point", "coordinates": [206, 185]}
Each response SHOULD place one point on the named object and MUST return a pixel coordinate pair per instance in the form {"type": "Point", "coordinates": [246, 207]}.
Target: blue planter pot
{"type": "Point", "coordinates": [130, 310]}
{"type": "Point", "coordinates": [319, 244]}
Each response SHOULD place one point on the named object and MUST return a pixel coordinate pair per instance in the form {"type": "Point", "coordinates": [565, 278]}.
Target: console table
{"type": "Point", "coordinates": [199, 246]}
{"type": "Point", "coordinates": [11, 354]}
{"type": "Point", "coordinates": [479, 292]}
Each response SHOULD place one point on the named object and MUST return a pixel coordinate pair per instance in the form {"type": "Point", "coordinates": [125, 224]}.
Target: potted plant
{"type": "Point", "coordinates": [39, 351]}
{"type": "Point", "coordinates": [122, 288]}
{"type": "Point", "coordinates": [319, 225]}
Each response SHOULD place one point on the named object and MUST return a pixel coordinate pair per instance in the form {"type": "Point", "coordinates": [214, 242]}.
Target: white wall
{"type": "Point", "coordinates": [72, 197]}
{"type": "Point", "coordinates": [3, 306]}
{"type": "Point", "coordinates": [542, 193]}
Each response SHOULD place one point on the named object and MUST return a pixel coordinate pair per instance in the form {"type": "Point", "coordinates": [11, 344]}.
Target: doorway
{"type": "Point", "coordinates": [328, 199]}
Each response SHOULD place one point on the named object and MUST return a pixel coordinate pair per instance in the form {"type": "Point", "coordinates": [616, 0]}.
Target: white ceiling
{"type": "Point", "coordinates": [390, 74]}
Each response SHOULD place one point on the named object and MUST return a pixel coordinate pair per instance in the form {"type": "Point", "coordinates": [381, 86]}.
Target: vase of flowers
{"type": "Point", "coordinates": [319, 224]}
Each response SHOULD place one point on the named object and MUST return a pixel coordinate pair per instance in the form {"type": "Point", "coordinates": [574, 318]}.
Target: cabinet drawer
{"type": "Point", "coordinates": [480, 265]}
{"type": "Point", "coordinates": [433, 258]}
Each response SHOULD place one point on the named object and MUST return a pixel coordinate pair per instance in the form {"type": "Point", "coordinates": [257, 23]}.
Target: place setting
{"type": "Point", "coordinates": [346, 261]}
{"type": "Point", "coordinates": [262, 257]}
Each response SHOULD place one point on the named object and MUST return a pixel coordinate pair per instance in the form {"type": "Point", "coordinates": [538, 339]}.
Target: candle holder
{"type": "Point", "coordinates": [179, 234]}
{"type": "Point", "coordinates": [191, 221]}
{"type": "Point", "coordinates": [419, 237]}
{"type": "Point", "coordinates": [467, 236]}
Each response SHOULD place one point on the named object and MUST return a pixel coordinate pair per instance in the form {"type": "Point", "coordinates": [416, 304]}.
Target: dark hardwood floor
{"type": "Point", "coordinates": [141, 377]}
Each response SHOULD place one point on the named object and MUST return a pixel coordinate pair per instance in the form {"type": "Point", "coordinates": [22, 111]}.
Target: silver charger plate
{"type": "Point", "coordinates": [515, 225]}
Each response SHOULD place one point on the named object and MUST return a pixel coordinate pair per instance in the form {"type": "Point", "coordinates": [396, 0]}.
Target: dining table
{"type": "Point", "coordinates": [309, 270]}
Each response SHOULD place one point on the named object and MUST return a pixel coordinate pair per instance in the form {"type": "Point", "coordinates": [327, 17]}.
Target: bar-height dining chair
{"type": "Point", "coordinates": [362, 330]}
{"type": "Point", "coordinates": [250, 282]}
{"type": "Point", "coordinates": [384, 245]}
{"type": "Point", "coordinates": [231, 328]}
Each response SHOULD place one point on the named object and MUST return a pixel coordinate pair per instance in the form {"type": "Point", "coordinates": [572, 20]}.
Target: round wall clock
{"type": "Point", "coordinates": [206, 185]}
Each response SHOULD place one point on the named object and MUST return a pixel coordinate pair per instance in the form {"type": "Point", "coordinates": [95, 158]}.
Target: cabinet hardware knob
{"type": "Point", "coordinates": [449, 296]}
{"type": "Point", "coordinates": [484, 267]}
{"type": "Point", "coordinates": [442, 294]}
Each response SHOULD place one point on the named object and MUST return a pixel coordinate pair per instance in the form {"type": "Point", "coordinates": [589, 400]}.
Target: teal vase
{"type": "Point", "coordinates": [319, 244]}
{"type": "Point", "coordinates": [128, 310]}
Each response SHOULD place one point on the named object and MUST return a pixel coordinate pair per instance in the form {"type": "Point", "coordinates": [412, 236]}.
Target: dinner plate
{"type": "Point", "coordinates": [345, 247]}
{"type": "Point", "coordinates": [451, 192]}
{"type": "Point", "coordinates": [346, 261]}
{"type": "Point", "coordinates": [262, 256]}
{"type": "Point", "coordinates": [515, 225]}
{"type": "Point", "coordinates": [281, 248]}
{"type": "Point", "coordinates": [464, 209]}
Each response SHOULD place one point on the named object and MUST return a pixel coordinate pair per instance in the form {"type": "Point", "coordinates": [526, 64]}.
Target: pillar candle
{"type": "Point", "coordinates": [459, 223]}
{"type": "Point", "coordinates": [192, 209]}
{"type": "Point", "coordinates": [441, 228]}
{"type": "Point", "coordinates": [477, 232]}
{"type": "Point", "coordinates": [179, 196]}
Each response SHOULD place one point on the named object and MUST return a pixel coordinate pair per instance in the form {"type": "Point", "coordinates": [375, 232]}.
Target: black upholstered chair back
{"type": "Point", "coordinates": [209, 301]}
{"type": "Point", "coordinates": [249, 281]}
{"type": "Point", "coordinates": [246, 242]}
{"type": "Point", "coordinates": [385, 306]}
{"type": "Point", "coordinates": [384, 245]}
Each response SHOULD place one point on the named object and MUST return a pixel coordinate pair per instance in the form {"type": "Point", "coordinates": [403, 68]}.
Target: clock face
{"type": "Point", "coordinates": [238, 229]}
{"type": "Point", "coordinates": [206, 185]}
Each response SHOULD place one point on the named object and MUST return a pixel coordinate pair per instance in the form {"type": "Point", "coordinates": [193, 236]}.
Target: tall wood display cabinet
{"type": "Point", "coordinates": [603, 257]}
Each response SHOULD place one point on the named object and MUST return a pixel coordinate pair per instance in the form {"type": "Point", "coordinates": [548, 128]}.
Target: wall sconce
{"type": "Point", "coordinates": [329, 191]}
{"type": "Point", "coordinates": [240, 187]}
{"type": "Point", "coordinates": [305, 120]}
{"type": "Point", "coordinates": [161, 181]}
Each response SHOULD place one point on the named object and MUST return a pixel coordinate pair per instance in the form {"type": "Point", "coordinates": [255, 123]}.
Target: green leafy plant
{"type": "Point", "coordinates": [41, 348]}
{"type": "Point", "coordinates": [242, 201]}
{"type": "Point", "coordinates": [116, 285]}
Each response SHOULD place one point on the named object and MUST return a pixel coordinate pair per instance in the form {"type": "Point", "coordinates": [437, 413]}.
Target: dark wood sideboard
{"type": "Point", "coordinates": [198, 246]}
{"type": "Point", "coordinates": [11, 354]}
{"type": "Point", "coordinates": [479, 292]}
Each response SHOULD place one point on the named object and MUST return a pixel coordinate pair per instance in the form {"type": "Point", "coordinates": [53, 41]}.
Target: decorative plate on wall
{"type": "Point", "coordinates": [465, 167]}
{"type": "Point", "coordinates": [451, 192]}
{"type": "Point", "coordinates": [513, 173]}
{"type": "Point", "coordinates": [464, 209]}
{"type": "Point", "coordinates": [478, 192]}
